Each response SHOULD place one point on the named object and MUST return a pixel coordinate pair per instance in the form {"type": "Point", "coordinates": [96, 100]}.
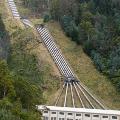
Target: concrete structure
{"type": "Point", "coordinates": [66, 113]}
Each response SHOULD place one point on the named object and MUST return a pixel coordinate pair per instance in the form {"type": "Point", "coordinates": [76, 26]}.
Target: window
{"type": "Point", "coordinates": [53, 118]}
{"type": "Point", "coordinates": [105, 117]}
{"type": "Point", "coordinates": [61, 118]}
{"type": "Point", "coordinates": [70, 114]}
{"type": "Point", "coordinates": [61, 113]}
{"type": "Point", "coordinates": [78, 114]}
{"type": "Point", "coordinates": [87, 115]}
{"type": "Point", "coordinates": [45, 118]}
{"type": "Point", "coordinates": [45, 111]}
{"type": "Point", "coordinates": [114, 117]}
{"type": "Point", "coordinates": [53, 112]}
{"type": "Point", "coordinates": [95, 115]}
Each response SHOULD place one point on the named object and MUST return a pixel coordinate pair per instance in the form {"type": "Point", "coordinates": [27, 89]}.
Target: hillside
{"type": "Point", "coordinates": [99, 84]}
{"type": "Point", "coordinates": [94, 25]}
{"type": "Point", "coordinates": [85, 69]}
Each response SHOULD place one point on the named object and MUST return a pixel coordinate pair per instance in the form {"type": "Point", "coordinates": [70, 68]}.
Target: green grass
{"type": "Point", "coordinates": [84, 68]}
{"type": "Point", "coordinates": [36, 21]}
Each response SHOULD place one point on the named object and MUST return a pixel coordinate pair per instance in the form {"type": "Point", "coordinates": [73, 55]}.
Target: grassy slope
{"type": "Point", "coordinates": [85, 69]}
{"type": "Point", "coordinates": [18, 33]}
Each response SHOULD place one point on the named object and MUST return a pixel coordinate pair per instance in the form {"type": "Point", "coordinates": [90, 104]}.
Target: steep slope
{"type": "Point", "coordinates": [85, 69]}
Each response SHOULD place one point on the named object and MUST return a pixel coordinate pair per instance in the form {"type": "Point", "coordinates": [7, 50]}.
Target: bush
{"type": "Point", "coordinates": [70, 27]}
{"type": "Point", "coordinates": [47, 18]}
{"type": "Point", "coordinates": [98, 60]}
{"type": "Point", "coordinates": [6, 115]}
{"type": "Point", "coordinates": [88, 46]}
{"type": "Point", "coordinates": [114, 63]}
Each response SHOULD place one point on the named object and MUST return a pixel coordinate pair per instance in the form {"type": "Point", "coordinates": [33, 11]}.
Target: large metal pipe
{"type": "Point", "coordinates": [78, 95]}
{"type": "Point", "coordinates": [66, 95]}
{"type": "Point", "coordinates": [59, 95]}
{"type": "Point", "coordinates": [73, 101]}
{"type": "Point", "coordinates": [99, 103]}
{"type": "Point", "coordinates": [85, 96]}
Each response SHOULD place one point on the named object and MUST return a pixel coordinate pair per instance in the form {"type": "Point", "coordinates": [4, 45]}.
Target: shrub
{"type": "Point", "coordinates": [98, 60]}
{"type": "Point", "coordinates": [70, 27]}
{"type": "Point", "coordinates": [47, 17]}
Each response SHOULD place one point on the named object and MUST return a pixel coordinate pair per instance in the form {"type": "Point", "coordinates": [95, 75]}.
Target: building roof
{"type": "Point", "coordinates": [81, 110]}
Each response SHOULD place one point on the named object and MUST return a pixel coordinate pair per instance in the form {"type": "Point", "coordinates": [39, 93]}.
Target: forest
{"type": "Point", "coordinates": [20, 79]}
{"type": "Point", "coordinates": [94, 24]}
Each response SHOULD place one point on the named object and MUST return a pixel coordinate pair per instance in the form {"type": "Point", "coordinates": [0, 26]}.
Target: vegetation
{"type": "Point", "coordinates": [95, 25]}
{"type": "Point", "coordinates": [4, 41]}
{"type": "Point", "coordinates": [22, 80]}
{"type": "Point", "coordinates": [17, 96]}
{"type": "Point", "coordinates": [82, 22]}
{"type": "Point", "coordinates": [92, 23]}
{"type": "Point", "coordinates": [36, 6]}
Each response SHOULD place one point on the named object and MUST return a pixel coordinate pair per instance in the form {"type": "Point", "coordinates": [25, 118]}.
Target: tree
{"type": "Point", "coordinates": [37, 6]}
{"type": "Point", "coordinates": [6, 82]}
{"type": "Point", "coordinates": [98, 60]}
{"type": "Point", "coordinates": [29, 94]}
{"type": "Point", "coordinates": [54, 9]}
{"type": "Point", "coordinates": [88, 28]}
{"type": "Point", "coordinates": [7, 115]}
